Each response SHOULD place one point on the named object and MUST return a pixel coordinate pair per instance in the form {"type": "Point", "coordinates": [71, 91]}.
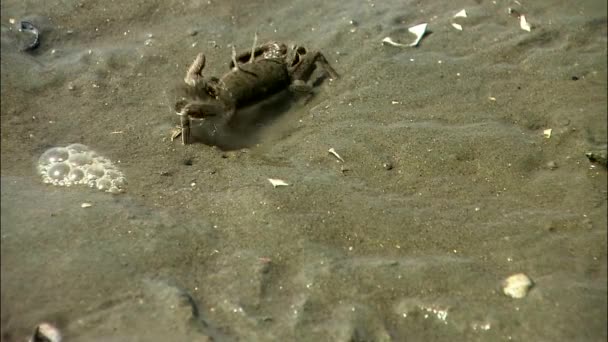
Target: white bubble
{"type": "Point", "coordinates": [79, 159]}
{"type": "Point", "coordinates": [59, 171]}
{"type": "Point", "coordinates": [76, 175]}
{"type": "Point", "coordinates": [95, 171]}
{"type": "Point", "coordinates": [77, 164]}
{"type": "Point", "coordinates": [104, 184]}
{"type": "Point", "coordinates": [115, 190]}
{"type": "Point", "coordinates": [77, 148]}
{"type": "Point", "coordinates": [119, 182]}
{"type": "Point", "coordinates": [113, 173]}
{"type": "Point", "coordinates": [54, 155]}
{"type": "Point", "coordinates": [106, 163]}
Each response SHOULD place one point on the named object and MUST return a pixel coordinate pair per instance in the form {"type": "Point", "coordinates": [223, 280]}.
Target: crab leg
{"type": "Point", "coordinates": [318, 57]}
{"type": "Point", "coordinates": [184, 122]}
{"type": "Point", "coordinates": [255, 42]}
{"type": "Point", "coordinates": [236, 65]}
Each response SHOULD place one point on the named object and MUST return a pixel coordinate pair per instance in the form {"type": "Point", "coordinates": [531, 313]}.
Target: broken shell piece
{"type": "Point", "coordinates": [86, 205]}
{"type": "Point", "coordinates": [547, 133]}
{"type": "Point", "coordinates": [461, 14]}
{"type": "Point", "coordinates": [524, 24]}
{"type": "Point", "coordinates": [277, 182]}
{"type": "Point", "coordinates": [419, 31]}
{"type": "Point", "coordinates": [517, 285]}
{"type": "Point", "coordinates": [332, 151]}
{"type": "Point", "coordinates": [46, 332]}
{"type": "Point", "coordinates": [390, 41]}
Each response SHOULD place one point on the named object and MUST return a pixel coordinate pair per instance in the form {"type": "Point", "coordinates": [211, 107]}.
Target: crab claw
{"type": "Point", "coordinates": [195, 72]}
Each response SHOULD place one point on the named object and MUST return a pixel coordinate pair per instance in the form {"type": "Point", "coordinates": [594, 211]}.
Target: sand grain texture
{"type": "Point", "coordinates": [352, 251]}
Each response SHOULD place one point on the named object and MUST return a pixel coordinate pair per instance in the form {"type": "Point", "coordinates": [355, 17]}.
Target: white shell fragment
{"type": "Point", "coordinates": [517, 285]}
{"type": "Point", "coordinates": [547, 133]}
{"type": "Point", "coordinates": [86, 205]}
{"type": "Point", "coordinates": [390, 41]}
{"type": "Point", "coordinates": [524, 24]}
{"type": "Point", "coordinates": [277, 182]}
{"type": "Point", "coordinates": [461, 14]}
{"type": "Point", "coordinates": [418, 30]}
{"type": "Point", "coordinates": [457, 26]}
{"type": "Point", "coordinates": [333, 151]}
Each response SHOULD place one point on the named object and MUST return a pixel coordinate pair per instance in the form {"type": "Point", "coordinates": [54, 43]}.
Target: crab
{"type": "Point", "coordinates": [254, 76]}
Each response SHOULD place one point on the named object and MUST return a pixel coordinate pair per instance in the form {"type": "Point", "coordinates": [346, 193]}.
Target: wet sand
{"type": "Point", "coordinates": [448, 185]}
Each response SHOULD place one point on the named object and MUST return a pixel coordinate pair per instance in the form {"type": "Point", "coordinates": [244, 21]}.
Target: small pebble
{"type": "Point", "coordinates": [552, 165]}
{"type": "Point", "coordinates": [517, 285]}
{"type": "Point", "coordinates": [387, 165]}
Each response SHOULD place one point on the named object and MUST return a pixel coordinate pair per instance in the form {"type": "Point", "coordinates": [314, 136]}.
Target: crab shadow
{"type": "Point", "coordinates": [247, 125]}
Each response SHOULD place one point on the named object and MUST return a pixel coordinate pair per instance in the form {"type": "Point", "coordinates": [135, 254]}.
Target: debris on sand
{"type": "Point", "coordinates": [418, 30]}
{"type": "Point", "coordinates": [523, 23]}
{"type": "Point", "coordinates": [517, 285]}
{"type": "Point", "coordinates": [390, 41]}
{"type": "Point", "coordinates": [387, 165]}
{"type": "Point", "coordinates": [26, 26]}
{"type": "Point", "coordinates": [46, 332]}
{"type": "Point", "coordinates": [599, 156]}
{"type": "Point", "coordinates": [461, 14]}
{"type": "Point", "coordinates": [277, 182]}
{"type": "Point", "coordinates": [547, 133]}
{"type": "Point", "coordinates": [333, 151]}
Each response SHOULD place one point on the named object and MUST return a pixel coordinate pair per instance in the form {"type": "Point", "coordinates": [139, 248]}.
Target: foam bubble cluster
{"type": "Point", "coordinates": [77, 164]}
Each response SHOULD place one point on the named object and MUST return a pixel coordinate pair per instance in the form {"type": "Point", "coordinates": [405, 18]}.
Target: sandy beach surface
{"type": "Point", "coordinates": [450, 181]}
